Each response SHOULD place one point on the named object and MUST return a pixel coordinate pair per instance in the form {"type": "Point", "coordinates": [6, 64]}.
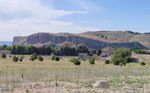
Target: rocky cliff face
{"type": "Point", "coordinates": [40, 39]}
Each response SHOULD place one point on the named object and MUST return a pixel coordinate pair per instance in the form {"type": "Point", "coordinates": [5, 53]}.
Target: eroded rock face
{"type": "Point", "coordinates": [45, 38]}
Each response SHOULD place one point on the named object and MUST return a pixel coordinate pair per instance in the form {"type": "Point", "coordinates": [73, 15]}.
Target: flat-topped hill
{"type": "Point", "coordinates": [97, 39]}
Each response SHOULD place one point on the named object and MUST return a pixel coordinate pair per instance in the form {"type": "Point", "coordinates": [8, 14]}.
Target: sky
{"type": "Point", "coordinates": [25, 17]}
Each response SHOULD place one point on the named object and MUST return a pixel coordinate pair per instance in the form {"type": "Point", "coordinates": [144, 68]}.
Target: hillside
{"type": "Point", "coordinates": [119, 36]}
{"type": "Point", "coordinates": [90, 39]}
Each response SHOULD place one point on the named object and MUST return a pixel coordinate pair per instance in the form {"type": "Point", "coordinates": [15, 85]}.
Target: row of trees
{"type": "Point", "coordinates": [71, 51]}
{"type": "Point", "coordinates": [50, 49]}
{"type": "Point", "coordinates": [17, 49]}
{"type": "Point", "coordinates": [140, 51]}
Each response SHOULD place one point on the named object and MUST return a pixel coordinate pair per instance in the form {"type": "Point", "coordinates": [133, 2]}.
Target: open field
{"type": "Point", "coordinates": [41, 77]}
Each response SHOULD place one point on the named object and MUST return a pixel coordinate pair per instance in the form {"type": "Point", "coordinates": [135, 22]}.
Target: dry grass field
{"type": "Point", "coordinates": [42, 77]}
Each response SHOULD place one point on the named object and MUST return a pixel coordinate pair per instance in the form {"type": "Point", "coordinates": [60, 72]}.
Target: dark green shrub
{"type": "Point", "coordinates": [10, 56]}
{"type": "Point", "coordinates": [57, 58]}
{"type": "Point", "coordinates": [142, 64]}
{"type": "Point", "coordinates": [40, 58]}
{"type": "Point", "coordinates": [15, 59]}
{"type": "Point", "coordinates": [115, 61]}
{"type": "Point", "coordinates": [53, 57]}
{"type": "Point", "coordinates": [128, 59]}
{"type": "Point", "coordinates": [107, 61]}
{"type": "Point", "coordinates": [92, 61]}
{"type": "Point", "coordinates": [76, 61]}
{"type": "Point", "coordinates": [20, 59]}
{"type": "Point", "coordinates": [33, 57]}
{"type": "Point", "coordinates": [3, 55]}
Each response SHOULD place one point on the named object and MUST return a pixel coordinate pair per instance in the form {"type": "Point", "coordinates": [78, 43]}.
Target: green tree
{"type": "Point", "coordinates": [13, 50]}
{"type": "Point", "coordinates": [3, 55]}
{"type": "Point", "coordinates": [98, 52]}
{"type": "Point", "coordinates": [8, 48]}
{"type": "Point", "coordinates": [31, 49]}
{"type": "Point", "coordinates": [121, 55]}
{"type": "Point", "coordinates": [52, 45]}
{"type": "Point", "coordinates": [4, 46]}
{"type": "Point", "coordinates": [82, 49]}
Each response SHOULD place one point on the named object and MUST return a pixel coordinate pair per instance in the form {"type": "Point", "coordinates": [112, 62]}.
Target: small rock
{"type": "Point", "coordinates": [101, 84]}
{"type": "Point", "coordinates": [38, 86]}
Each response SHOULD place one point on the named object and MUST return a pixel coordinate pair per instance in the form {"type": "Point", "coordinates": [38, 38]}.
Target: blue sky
{"type": "Point", "coordinates": [25, 17]}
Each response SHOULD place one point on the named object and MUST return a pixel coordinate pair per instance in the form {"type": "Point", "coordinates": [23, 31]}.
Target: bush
{"type": "Point", "coordinates": [57, 58]}
{"type": "Point", "coordinates": [92, 61]}
{"type": "Point", "coordinates": [33, 57]}
{"type": "Point", "coordinates": [40, 58]}
{"type": "Point", "coordinates": [76, 61]}
{"type": "Point", "coordinates": [20, 59]}
{"type": "Point", "coordinates": [128, 59]}
{"type": "Point", "coordinates": [107, 61]}
{"type": "Point", "coordinates": [118, 61]}
{"type": "Point", "coordinates": [142, 64]}
{"type": "Point", "coordinates": [15, 59]}
{"type": "Point", "coordinates": [3, 55]}
{"type": "Point", "coordinates": [53, 57]}
{"type": "Point", "coordinates": [10, 56]}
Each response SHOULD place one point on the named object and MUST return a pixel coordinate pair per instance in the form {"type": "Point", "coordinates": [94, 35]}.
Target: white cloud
{"type": "Point", "coordinates": [26, 27]}
{"type": "Point", "coordinates": [25, 17]}
{"type": "Point", "coordinates": [31, 9]}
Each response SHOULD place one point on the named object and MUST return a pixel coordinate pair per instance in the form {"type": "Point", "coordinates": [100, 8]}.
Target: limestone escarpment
{"type": "Point", "coordinates": [40, 39]}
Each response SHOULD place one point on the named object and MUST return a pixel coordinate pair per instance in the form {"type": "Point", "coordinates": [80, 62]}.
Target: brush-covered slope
{"type": "Point", "coordinates": [119, 36]}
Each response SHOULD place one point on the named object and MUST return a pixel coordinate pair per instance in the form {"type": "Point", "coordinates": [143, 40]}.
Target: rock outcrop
{"type": "Point", "coordinates": [40, 39]}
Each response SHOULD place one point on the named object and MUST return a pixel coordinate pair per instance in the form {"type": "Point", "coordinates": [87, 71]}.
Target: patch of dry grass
{"type": "Point", "coordinates": [28, 72]}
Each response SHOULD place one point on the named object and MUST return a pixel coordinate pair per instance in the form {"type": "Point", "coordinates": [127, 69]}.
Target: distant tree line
{"type": "Point", "coordinates": [131, 32]}
{"type": "Point", "coordinates": [50, 49]}
{"type": "Point", "coordinates": [140, 51]}
{"type": "Point", "coordinates": [72, 51]}
{"type": "Point", "coordinates": [21, 49]}
{"type": "Point", "coordinates": [147, 33]}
